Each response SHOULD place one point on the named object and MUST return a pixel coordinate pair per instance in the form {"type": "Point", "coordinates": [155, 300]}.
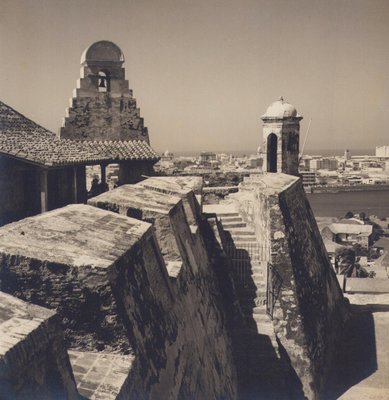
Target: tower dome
{"type": "Point", "coordinates": [280, 109]}
{"type": "Point", "coordinates": [102, 51]}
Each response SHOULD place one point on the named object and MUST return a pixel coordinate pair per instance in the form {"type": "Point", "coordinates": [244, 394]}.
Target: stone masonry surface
{"type": "Point", "coordinates": [64, 259]}
{"type": "Point", "coordinates": [308, 305]}
{"type": "Point", "coordinates": [191, 351]}
{"type": "Point", "coordinates": [100, 376]}
{"type": "Point", "coordinates": [153, 308]}
{"type": "Point", "coordinates": [33, 360]}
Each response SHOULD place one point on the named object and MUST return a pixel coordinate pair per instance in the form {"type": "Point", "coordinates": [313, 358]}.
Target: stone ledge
{"type": "Point", "coordinates": [174, 185]}
{"type": "Point", "coordinates": [269, 183]}
{"type": "Point", "coordinates": [77, 235]}
{"type": "Point", "coordinates": [367, 285]}
{"type": "Point", "coordinates": [128, 197]}
{"type": "Point", "coordinates": [17, 321]}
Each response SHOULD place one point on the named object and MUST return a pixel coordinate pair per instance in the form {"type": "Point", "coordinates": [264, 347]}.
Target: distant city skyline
{"type": "Point", "coordinates": [204, 72]}
{"type": "Point", "coordinates": [310, 152]}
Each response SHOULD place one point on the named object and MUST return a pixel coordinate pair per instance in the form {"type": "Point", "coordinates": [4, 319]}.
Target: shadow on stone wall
{"type": "Point", "coordinates": [264, 368]}
{"type": "Point", "coordinates": [356, 358]}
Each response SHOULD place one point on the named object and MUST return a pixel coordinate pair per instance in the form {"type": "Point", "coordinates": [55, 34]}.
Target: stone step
{"type": "Point", "coordinates": [260, 301]}
{"type": "Point", "coordinates": [265, 327]}
{"type": "Point", "coordinates": [233, 218]}
{"type": "Point", "coordinates": [228, 214]}
{"type": "Point", "coordinates": [241, 231]}
{"type": "Point", "coordinates": [242, 242]}
{"type": "Point", "coordinates": [227, 225]}
{"type": "Point", "coordinates": [242, 239]}
{"type": "Point", "coordinates": [257, 270]}
{"type": "Point", "coordinates": [259, 310]}
{"type": "Point", "coordinates": [257, 274]}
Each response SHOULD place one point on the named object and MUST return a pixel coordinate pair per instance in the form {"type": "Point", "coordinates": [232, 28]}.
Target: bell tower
{"type": "Point", "coordinates": [102, 107]}
{"type": "Point", "coordinates": [281, 132]}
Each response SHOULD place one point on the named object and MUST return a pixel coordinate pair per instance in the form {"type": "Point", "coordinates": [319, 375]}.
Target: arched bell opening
{"type": "Point", "coordinates": [103, 84]}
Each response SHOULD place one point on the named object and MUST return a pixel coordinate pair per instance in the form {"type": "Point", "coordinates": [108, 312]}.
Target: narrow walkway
{"type": "Point", "coordinates": [261, 371]}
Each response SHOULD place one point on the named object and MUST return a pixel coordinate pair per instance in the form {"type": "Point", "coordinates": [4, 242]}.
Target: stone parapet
{"type": "Point", "coordinates": [105, 275]}
{"type": "Point", "coordinates": [193, 345]}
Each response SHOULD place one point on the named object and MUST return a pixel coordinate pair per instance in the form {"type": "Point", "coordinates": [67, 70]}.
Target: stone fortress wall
{"type": "Point", "coordinates": [146, 295]}
{"type": "Point", "coordinates": [118, 294]}
{"type": "Point", "coordinates": [308, 306]}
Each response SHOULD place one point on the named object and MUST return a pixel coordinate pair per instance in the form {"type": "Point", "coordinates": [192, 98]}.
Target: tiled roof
{"type": "Point", "coordinates": [24, 139]}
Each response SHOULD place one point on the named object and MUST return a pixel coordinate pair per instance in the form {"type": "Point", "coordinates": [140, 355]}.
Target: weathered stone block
{"type": "Point", "coordinates": [188, 188]}
{"type": "Point", "coordinates": [65, 259]}
{"type": "Point", "coordinates": [34, 363]}
{"type": "Point", "coordinates": [156, 207]}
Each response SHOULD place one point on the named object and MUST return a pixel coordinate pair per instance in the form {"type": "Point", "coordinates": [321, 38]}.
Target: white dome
{"type": "Point", "coordinates": [280, 109]}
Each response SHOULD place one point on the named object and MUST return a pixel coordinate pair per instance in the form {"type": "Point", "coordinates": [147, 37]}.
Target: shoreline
{"type": "Point", "coordinates": [345, 188]}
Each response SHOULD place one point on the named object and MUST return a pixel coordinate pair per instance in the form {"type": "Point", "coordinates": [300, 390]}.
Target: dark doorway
{"type": "Point", "coordinates": [272, 153]}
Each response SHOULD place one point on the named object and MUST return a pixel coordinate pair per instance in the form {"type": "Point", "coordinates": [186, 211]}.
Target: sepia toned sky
{"type": "Point", "coordinates": [203, 72]}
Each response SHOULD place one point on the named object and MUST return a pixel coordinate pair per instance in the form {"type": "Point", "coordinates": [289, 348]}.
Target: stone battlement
{"type": "Point", "coordinates": [110, 286]}
{"type": "Point", "coordinates": [177, 300]}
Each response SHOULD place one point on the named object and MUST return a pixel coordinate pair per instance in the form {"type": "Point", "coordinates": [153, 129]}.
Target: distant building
{"type": "Point", "coordinates": [304, 163]}
{"type": "Point", "coordinates": [347, 154]}
{"type": "Point", "coordinates": [167, 156]}
{"type": "Point", "coordinates": [349, 234]}
{"type": "Point", "coordinates": [207, 157]}
{"type": "Point", "coordinates": [387, 166]}
{"type": "Point", "coordinates": [254, 162]}
{"type": "Point", "coordinates": [330, 164]}
{"type": "Point", "coordinates": [309, 178]}
{"type": "Point", "coordinates": [382, 151]}
{"type": "Point", "coordinates": [314, 164]}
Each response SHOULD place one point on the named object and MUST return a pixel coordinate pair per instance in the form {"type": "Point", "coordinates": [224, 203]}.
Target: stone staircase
{"type": "Point", "coordinates": [249, 261]}
{"type": "Point", "coordinates": [260, 367]}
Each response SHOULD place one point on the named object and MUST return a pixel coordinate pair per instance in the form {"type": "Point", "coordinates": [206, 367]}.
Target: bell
{"type": "Point", "coordinates": [102, 83]}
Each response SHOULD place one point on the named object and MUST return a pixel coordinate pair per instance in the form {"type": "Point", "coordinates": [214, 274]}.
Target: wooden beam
{"type": "Point", "coordinates": [75, 186]}
{"type": "Point", "coordinates": [103, 173]}
{"type": "Point", "coordinates": [44, 194]}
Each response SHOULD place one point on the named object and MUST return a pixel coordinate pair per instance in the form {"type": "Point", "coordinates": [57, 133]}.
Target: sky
{"type": "Point", "coordinates": [203, 72]}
